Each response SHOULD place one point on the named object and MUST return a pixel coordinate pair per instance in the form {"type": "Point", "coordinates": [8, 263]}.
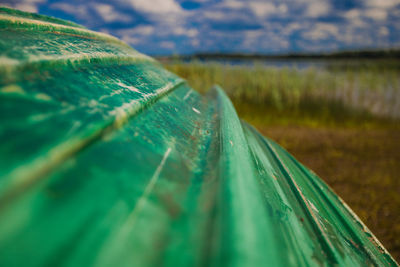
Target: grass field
{"type": "Point", "coordinates": [342, 122]}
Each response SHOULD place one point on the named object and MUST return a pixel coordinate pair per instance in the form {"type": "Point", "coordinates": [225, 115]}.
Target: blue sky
{"type": "Point", "coordinates": [159, 27]}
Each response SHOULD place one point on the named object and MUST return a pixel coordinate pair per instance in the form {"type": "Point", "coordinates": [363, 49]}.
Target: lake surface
{"type": "Point", "coordinates": [302, 63]}
{"type": "Point", "coordinates": [277, 63]}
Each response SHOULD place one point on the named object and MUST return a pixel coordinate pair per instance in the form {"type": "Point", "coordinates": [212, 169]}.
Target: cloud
{"type": "Point", "coordinates": [215, 15]}
{"type": "Point", "coordinates": [376, 13]}
{"type": "Point", "coordinates": [262, 9]}
{"type": "Point", "coordinates": [131, 40]}
{"type": "Point", "coordinates": [186, 32]}
{"type": "Point", "coordinates": [259, 8]}
{"type": "Point", "coordinates": [195, 42]}
{"type": "Point", "coordinates": [290, 28]}
{"type": "Point", "coordinates": [354, 16]}
{"type": "Point", "coordinates": [109, 14]}
{"type": "Point", "coordinates": [318, 8]}
{"type": "Point", "coordinates": [378, 9]}
{"type": "Point", "coordinates": [322, 31]}
{"type": "Point", "coordinates": [166, 26]}
{"type": "Point", "coordinates": [80, 11]}
{"type": "Point", "coordinates": [233, 4]}
{"type": "Point", "coordinates": [138, 30]}
{"type": "Point", "coordinates": [167, 44]}
{"type": "Point", "coordinates": [25, 5]}
{"type": "Point", "coordinates": [157, 7]}
{"type": "Point", "coordinates": [383, 31]}
{"type": "Point", "coordinates": [382, 3]}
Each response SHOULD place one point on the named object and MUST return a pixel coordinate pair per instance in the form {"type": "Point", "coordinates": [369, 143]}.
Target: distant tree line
{"type": "Point", "coordinates": [352, 54]}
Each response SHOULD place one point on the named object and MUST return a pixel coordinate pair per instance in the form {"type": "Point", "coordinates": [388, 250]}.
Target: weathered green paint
{"type": "Point", "coordinates": [108, 159]}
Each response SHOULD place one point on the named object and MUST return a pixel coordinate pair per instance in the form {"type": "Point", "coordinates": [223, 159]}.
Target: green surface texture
{"type": "Point", "coordinates": [107, 159]}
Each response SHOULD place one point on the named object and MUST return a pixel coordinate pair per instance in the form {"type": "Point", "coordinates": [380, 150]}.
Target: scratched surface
{"type": "Point", "coordinates": [107, 159]}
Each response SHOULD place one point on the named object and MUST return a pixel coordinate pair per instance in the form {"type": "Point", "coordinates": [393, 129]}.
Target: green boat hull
{"type": "Point", "coordinates": [108, 159]}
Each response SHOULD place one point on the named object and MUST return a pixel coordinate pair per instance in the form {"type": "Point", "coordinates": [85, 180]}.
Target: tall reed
{"type": "Point", "coordinates": [340, 90]}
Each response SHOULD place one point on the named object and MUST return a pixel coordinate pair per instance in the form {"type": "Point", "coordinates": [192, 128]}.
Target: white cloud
{"type": "Point", "coordinates": [250, 25]}
{"type": "Point", "coordinates": [195, 42]}
{"type": "Point", "coordinates": [317, 8]}
{"type": "Point", "coordinates": [167, 44]}
{"type": "Point", "coordinates": [233, 4]}
{"type": "Point", "coordinates": [305, 45]}
{"type": "Point", "coordinates": [79, 11]}
{"type": "Point", "coordinates": [253, 34]}
{"type": "Point", "coordinates": [138, 30]}
{"type": "Point", "coordinates": [155, 6]}
{"type": "Point", "coordinates": [376, 13]}
{"type": "Point", "coordinates": [186, 32]}
{"type": "Point", "coordinates": [215, 15]}
{"type": "Point", "coordinates": [202, 1]}
{"type": "Point", "coordinates": [289, 29]}
{"type": "Point", "coordinates": [283, 8]}
{"type": "Point", "coordinates": [352, 14]}
{"type": "Point", "coordinates": [263, 9]}
{"type": "Point", "coordinates": [355, 36]}
{"type": "Point", "coordinates": [382, 3]}
{"type": "Point", "coordinates": [378, 9]}
{"type": "Point", "coordinates": [165, 15]}
{"type": "Point", "coordinates": [26, 5]}
{"type": "Point", "coordinates": [355, 18]}
{"type": "Point", "coordinates": [322, 31]}
{"type": "Point", "coordinates": [144, 30]}
{"type": "Point", "coordinates": [268, 40]}
{"type": "Point", "coordinates": [131, 40]}
{"type": "Point", "coordinates": [259, 8]}
{"type": "Point", "coordinates": [383, 31]}
{"type": "Point", "coordinates": [109, 14]}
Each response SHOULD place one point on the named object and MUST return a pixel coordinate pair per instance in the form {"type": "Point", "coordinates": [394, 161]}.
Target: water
{"type": "Point", "coordinates": [276, 63]}
{"type": "Point", "coordinates": [299, 63]}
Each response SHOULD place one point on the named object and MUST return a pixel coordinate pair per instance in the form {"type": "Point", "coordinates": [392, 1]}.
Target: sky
{"type": "Point", "coordinates": [165, 27]}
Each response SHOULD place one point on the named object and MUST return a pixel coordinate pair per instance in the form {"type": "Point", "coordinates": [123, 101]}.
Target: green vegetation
{"type": "Point", "coordinates": [340, 94]}
{"type": "Point", "coordinates": [342, 122]}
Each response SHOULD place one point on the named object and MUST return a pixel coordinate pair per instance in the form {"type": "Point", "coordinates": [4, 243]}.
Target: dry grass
{"type": "Point", "coordinates": [361, 165]}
